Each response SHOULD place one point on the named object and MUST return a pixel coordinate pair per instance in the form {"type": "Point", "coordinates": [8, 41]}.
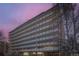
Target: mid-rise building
{"type": "Point", "coordinates": [40, 35]}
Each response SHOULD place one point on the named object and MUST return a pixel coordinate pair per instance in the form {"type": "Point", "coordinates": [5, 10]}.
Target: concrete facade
{"type": "Point", "coordinates": [40, 34]}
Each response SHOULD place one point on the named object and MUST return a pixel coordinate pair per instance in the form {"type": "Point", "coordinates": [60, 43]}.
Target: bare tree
{"type": "Point", "coordinates": [69, 45]}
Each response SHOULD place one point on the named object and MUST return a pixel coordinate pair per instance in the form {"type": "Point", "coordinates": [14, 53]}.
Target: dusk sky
{"type": "Point", "coordinates": [13, 15]}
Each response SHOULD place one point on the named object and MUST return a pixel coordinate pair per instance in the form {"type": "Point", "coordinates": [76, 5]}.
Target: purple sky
{"type": "Point", "coordinates": [13, 15]}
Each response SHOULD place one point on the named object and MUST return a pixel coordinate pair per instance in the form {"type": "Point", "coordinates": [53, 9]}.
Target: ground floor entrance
{"type": "Point", "coordinates": [34, 53]}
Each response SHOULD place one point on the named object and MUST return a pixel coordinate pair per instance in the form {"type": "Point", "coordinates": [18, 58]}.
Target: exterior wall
{"type": "Point", "coordinates": [40, 33]}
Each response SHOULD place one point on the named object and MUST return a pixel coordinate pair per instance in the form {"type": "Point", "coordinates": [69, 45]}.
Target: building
{"type": "Point", "coordinates": [40, 35]}
{"type": "Point", "coordinates": [3, 44]}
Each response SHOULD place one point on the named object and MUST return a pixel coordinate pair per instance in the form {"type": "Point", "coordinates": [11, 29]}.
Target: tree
{"type": "Point", "coordinates": [70, 44]}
